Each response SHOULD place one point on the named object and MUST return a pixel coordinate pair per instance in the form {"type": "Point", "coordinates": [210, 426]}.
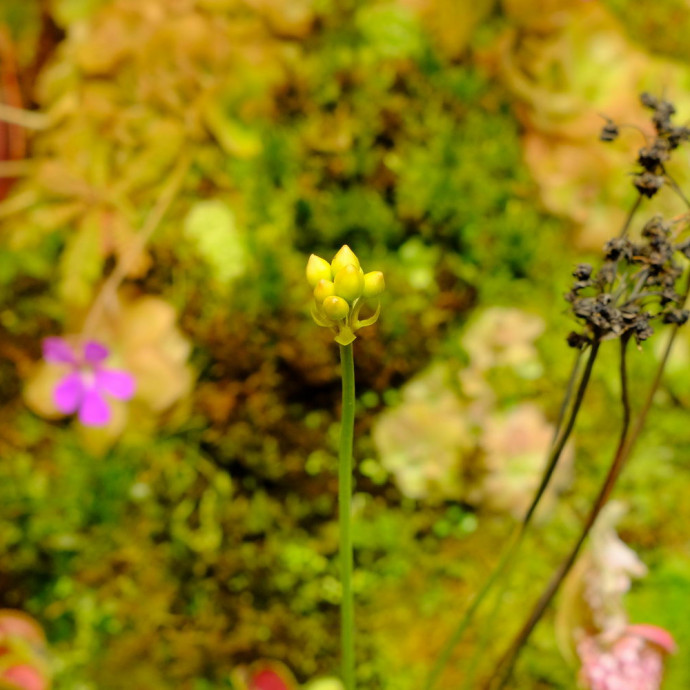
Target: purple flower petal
{"type": "Point", "coordinates": [94, 410]}
{"type": "Point", "coordinates": [119, 384]}
{"type": "Point", "coordinates": [69, 393]}
{"type": "Point", "coordinates": [94, 352]}
{"type": "Point", "coordinates": [58, 351]}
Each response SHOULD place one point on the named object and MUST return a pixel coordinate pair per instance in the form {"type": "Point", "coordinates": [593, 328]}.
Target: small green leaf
{"type": "Point", "coordinates": [81, 262]}
{"type": "Point", "coordinates": [235, 138]}
{"type": "Point", "coordinates": [211, 226]}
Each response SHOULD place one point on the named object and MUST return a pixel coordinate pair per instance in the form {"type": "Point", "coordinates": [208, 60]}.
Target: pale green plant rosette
{"type": "Point", "coordinates": [341, 289]}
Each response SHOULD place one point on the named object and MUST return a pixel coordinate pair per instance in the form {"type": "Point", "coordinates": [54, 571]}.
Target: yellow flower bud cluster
{"type": "Point", "coordinates": [340, 291]}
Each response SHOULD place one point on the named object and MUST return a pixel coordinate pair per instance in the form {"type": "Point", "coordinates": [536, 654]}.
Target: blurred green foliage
{"type": "Point", "coordinates": [206, 539]}
{"type": "Point", "coordinates": [658, 26]}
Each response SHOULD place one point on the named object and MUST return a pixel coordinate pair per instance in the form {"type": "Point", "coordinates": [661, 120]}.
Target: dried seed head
{"type": "Point", "coordinates": [609, 132]}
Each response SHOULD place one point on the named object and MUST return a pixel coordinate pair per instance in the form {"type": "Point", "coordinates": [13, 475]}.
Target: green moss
{"type": "Point", "coordinates": [659, 27]}
{"type": "Point", "coordinates": [208, 539]}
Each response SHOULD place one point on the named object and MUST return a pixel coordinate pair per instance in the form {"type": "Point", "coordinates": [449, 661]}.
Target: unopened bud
{"type": "Point", "coordinates": [344, 257]}
{"type": "Point", "coordinates": [323, 289]}
{"type": "Point", "coordinates": [338, 291]}
{"type": "Point", "coordinates": [335, 308]}
{"type": "Point", "coordinates": [349, 283]}
{"type": "Point", "coordinates": [374, 284]}
{"type": "Point", "coordinates": [318, 269]}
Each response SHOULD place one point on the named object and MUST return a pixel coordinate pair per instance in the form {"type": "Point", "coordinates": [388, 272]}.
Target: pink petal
{"type": "Point", "coordinates": [58, 351]}
{"type": "Point", "coordinates": [25, 677]}
{"type": "Point", "coordinates": [267, 680]}
{"type": "Point", "coordinates": [94, 410]}
{"type": "Point", "coordinates": [69, 393]}
{"type": "Point", "coordinates": [654, 634]}
{"type": "Point", "coordinates": [19, 624]}
{"type": "Point", "coordinates": [119, 384]}
{"type": "Point", "coordinates": [94, 352]}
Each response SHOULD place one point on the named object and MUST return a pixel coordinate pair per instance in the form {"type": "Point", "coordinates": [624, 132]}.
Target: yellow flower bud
{"type": "Point", "coordinates": [374, 284]}
{"type": "Point", "coordinates": [344, 257]}
{"type": "Point", "coordinates": [318, 269]}
{"type": "Point", "coordinates": [335, 308]}
{"type": "Point", "coordinates": [338, 291]}
{"type": "Point", "coordinates": [323, 289]}
{"type": "Point", "coordinates": [349, 283]}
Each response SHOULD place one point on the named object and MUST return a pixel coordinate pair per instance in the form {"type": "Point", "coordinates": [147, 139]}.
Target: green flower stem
{"type": "Point", "coordinates": [345, 515]}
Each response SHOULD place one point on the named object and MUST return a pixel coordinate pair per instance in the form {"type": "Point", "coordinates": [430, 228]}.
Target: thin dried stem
{"type": "Point", "coordinates": [557, 450]}
{"type": "Point", "coordinates": [631, 213]}
{"type": "Point", "coordinates": [623, 452]}
{"type": "Point", "coordinates": [507, 663]}
{"type": "Point", "coordinates": [676, 187]}
{"type": "Point", "coordinates": [124, 265]}
{"type": "Point", "coordinates": [24, 118]}
{"type": "Point", "coordinates": [15, 168]}
{"type": "Point", "coordinates": [513, 547]}
{"type": "Point", "coordinates": [569, 389]}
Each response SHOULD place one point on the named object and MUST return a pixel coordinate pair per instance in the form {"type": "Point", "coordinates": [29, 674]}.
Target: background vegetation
{"type": "Point", "coordinates": [453, 145]}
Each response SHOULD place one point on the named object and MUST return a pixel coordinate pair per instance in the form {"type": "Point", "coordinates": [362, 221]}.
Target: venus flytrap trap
{"type": "Point", "coordinates": [341, 289]}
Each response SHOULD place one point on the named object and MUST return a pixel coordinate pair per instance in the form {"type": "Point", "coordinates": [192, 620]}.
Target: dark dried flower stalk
{"type": "Point", "coordinates": [635, 286]}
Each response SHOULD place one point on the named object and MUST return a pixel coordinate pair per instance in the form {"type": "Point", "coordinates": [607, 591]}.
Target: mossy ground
{"type": "Point", "coordinates": [204, 538]}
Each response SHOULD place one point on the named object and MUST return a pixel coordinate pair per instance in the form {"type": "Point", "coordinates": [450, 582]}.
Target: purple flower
{"type": "Point", "coordinates": [85, 386]}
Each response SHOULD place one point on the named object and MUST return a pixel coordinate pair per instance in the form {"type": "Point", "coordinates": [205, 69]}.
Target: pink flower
{"type": "Point", "coordinates": [633, 661]}
{"type": "Point", "coordinates": [87, 382]}
{"type": "Point", "coordinates": [267, 679]}
{"type": "Point", "coordinates": [264, 675]}
{"type": "Point", "coordinates": [24, 677]}
{"type": "Point", "coordinates": [22, 653]}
